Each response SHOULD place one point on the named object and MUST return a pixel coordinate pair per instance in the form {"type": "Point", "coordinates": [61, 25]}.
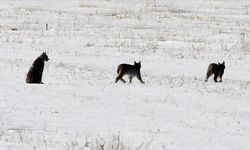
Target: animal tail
{"type": "Point", "coordinates": [118, 70]}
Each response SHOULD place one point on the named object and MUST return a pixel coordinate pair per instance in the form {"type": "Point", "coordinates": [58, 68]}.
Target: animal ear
{"type": "Point", "coordinates": [223, 63]}
{"type": "Point", "coordinates": [218, 62]}
{"type": "Point", "coordinates": [139, 62]}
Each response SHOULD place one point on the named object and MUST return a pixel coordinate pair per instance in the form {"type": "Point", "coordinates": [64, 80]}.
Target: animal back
{"type": "Point", "coordinates": [127, 69]}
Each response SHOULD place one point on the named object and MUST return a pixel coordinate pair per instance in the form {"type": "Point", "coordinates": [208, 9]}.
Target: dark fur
{"type": "Point", "coordinates": [130, 70]}
{"type": "Point", "coordinates": [217, 70]}
{"type": "Point", "coordinates": [36, 70]}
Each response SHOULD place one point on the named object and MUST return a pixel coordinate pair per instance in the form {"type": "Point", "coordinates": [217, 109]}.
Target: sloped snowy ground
{"type": "Point", "coordinates": [80, 106]}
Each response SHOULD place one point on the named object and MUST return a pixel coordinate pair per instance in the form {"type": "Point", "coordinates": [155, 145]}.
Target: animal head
{"type": "Point", "coordinates": [44, 56]}
{"type": "Point", "coordinates": [138, 65]}
{"type": "Point", "coordinates": [221, 65]}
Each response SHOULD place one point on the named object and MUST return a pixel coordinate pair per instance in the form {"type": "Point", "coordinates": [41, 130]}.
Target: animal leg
{"type": "Point", "coordinates": [130, 79]}
{"type": "Point", "coordinates": [116, 79]}
{"type": "Point", "coordinates": [220, 78]}
{"type": "Point", "coordinates": [215, 77]}
{"type": "Point", "coordinates": [139, 78]}
{"type": "Point", "coordinates": [119, 77]}
{"type": "Point", "coordinates": [122, 80]}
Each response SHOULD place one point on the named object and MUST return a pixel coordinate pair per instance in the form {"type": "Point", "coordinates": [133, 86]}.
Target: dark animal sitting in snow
{"type": "Point", "coordinates": [217, 70]}
{"type": "Point", "coordinates": [36, 70]}
{"type": "Point", "coordinates": [130, 70]}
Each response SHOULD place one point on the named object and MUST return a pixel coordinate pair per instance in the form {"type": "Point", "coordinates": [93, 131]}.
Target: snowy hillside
{"type": "Point", "coordinates": [81, 108]}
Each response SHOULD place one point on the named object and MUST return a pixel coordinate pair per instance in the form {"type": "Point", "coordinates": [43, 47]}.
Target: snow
{"type": "Point", "coordinates": [81, 108]}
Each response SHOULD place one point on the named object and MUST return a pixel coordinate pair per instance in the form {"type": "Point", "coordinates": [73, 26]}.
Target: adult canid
{"type": "Point", "coordinates": [130, 70]}
{"type": "Point", "coordinates": [36, 70]}
{"type": "Point", "coordinates": [217, 70]}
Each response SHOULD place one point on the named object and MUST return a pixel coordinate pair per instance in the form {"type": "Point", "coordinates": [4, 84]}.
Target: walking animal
{"type": "Point", "coordinates": [130, 70]}
{"type": "Point", "coordinates": [217, 70]}
{"type": "Point", "coordinates": [36, 70]}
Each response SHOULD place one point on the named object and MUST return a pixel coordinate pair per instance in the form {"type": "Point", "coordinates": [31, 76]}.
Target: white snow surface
{"type": "Point", "coordinates": [80, 107]}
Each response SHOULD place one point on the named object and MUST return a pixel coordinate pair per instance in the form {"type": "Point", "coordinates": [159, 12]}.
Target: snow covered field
{"type": "Point", "coordinates": [81, 108]}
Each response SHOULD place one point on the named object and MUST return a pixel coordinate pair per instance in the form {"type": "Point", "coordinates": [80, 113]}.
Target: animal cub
{"type": "Point", "coordinates": [36, 70]}
{"type": "Point", "coordinates": [217, 70]}
{"type": "Point", "coordinates": [130, 70]}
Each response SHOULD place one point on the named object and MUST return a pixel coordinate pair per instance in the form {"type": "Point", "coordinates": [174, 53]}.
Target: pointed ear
{"type": "Point", "coordinates": [223, 63]}
{"type": "Point", "coordinates": [139, 62]}
{"type": "Point", "coordinates": [218, 62]}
